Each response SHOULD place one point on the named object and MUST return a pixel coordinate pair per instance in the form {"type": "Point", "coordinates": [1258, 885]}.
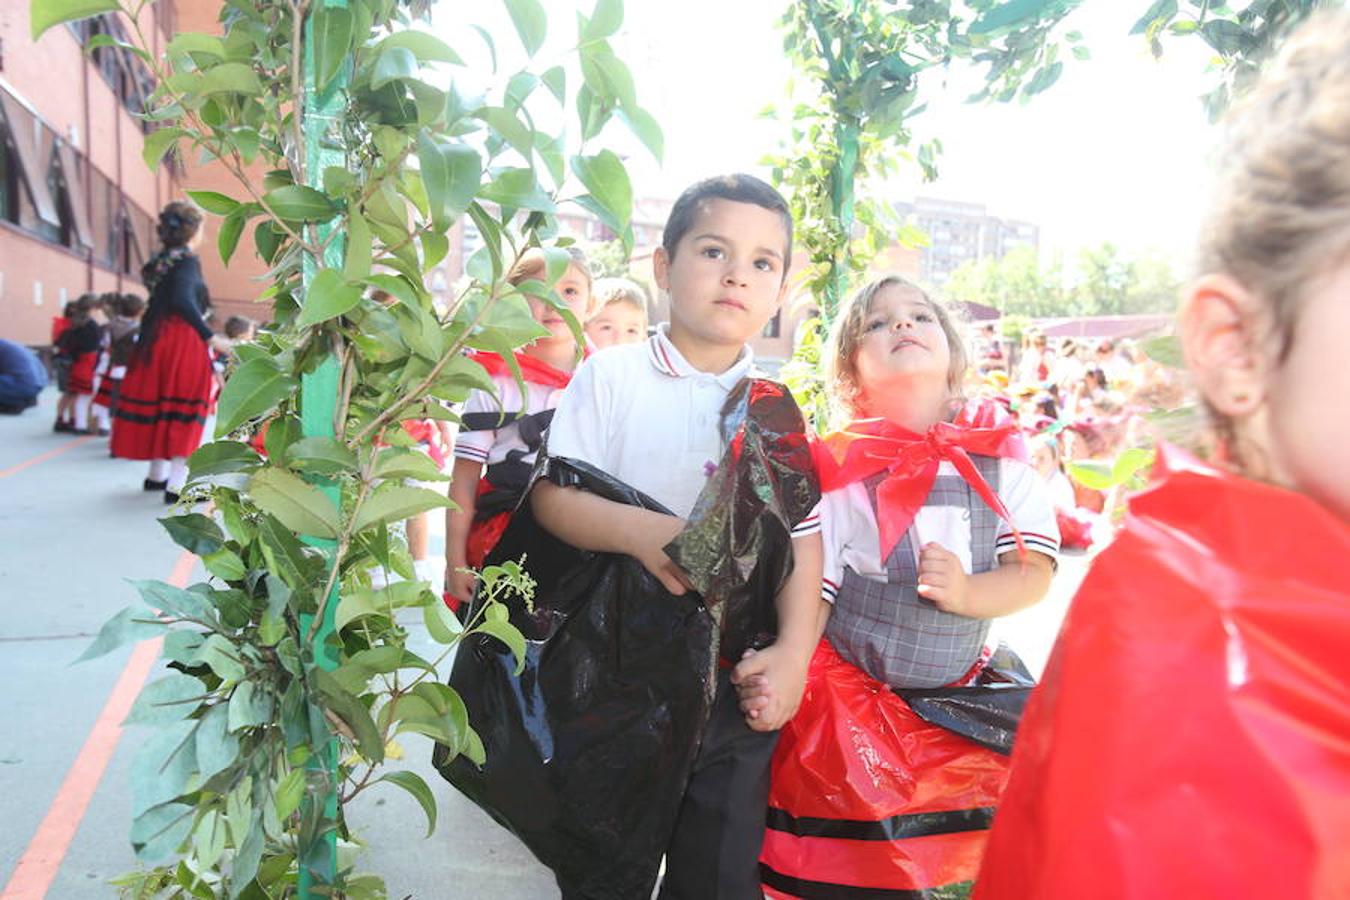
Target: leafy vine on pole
{"type": "Point", "coordinates": [229, 794]}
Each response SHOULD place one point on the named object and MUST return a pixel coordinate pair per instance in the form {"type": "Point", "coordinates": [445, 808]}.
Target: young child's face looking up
{"type": "Point", "coordinates": [575, 291]}
{"type": "Point", "coordinates": [902, 339]}
{"type": "Point", "coordinates": [617, 323]}
{"type": "Point", "coordinates": [726, 276]}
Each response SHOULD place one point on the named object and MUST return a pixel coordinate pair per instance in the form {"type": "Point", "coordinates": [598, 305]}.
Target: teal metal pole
{"type": "Point", "coordinates": [318, 402]}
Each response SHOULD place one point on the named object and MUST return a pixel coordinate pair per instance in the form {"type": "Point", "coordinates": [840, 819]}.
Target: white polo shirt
{"type": "Point", "coordinates": [643, 414]}
{"type": "Point", "coordinates": [852, 540]}
{"type": "Point", "coordinates": [491, 447]}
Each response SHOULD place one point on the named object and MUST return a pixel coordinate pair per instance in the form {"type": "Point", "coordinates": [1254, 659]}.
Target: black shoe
{"type": "Point", "coordinates": [149, 485]}
{"type": "Point", "coordinates": [63, 427]}
{"type": "Point", "coordinates": [170, 498]}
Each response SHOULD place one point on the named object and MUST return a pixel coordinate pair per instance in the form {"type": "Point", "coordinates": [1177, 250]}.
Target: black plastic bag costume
{"type": "Point", "coordinates": [590, 748]}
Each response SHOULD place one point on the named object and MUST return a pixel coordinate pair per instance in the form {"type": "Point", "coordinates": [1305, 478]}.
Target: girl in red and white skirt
{"type": "Point", "coordinates": [934, 523]}
{"type": "Point", "coordinates": [77, 350]}
{"type": "Point", "coordinates": [169, 386]}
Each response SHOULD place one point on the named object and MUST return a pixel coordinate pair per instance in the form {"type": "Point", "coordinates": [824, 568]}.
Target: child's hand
{"type": "Point", "coordinates": [459, 583]}
{"type": "Point", "coordinates": [769, 683]}
{"type": "Point", "coordinates": [648, 547]}
{"type": "Point", "coordinates": [942, 579]}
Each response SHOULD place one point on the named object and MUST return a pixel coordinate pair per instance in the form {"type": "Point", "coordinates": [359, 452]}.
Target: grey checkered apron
{"type": "Point", "coordinates": [892, 633]}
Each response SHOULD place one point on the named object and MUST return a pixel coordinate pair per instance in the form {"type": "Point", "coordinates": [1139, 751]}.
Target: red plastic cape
{"type": "Point", "coordinates": [867, 446]}
{"type": "Point", "coordinates": [1191, 736]}
{"type": "Point", "coordinates": [533, 371]}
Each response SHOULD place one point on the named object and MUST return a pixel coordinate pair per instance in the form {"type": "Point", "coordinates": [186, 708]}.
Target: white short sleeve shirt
{"type": "Point", "coordinates": [491, 447]}
{"type": "Point", "coordinates": [646, 416]}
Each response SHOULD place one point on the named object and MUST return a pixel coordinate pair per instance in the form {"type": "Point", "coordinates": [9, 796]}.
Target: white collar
{"type": "Point", "coordinates": [668, 360]}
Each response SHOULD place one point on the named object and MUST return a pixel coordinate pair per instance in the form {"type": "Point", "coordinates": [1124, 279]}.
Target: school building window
{"type": "Point", "coordinates": [51, 190]}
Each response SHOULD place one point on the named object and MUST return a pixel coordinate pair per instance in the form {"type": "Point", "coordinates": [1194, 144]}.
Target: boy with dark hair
{"type": "Point", "coordinates": [649, 415]}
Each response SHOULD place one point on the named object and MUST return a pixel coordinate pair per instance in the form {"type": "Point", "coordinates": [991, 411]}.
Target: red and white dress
{"type": "Point", "coordinates": [168, 391]}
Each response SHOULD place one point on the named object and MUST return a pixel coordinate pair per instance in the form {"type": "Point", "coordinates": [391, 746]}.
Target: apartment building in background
{"type": "Point", "coordinates": [959, 233]}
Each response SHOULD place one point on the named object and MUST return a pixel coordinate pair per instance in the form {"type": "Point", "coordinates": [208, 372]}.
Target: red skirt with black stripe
{"type": "Point", "coordinates": [165, 397]}
{"type": "Point", "coordinates": [107, 392]}
{"type": "Point", "coordinates": [81, 377]}
{"type": "Point", "coordinates": [867, 800]}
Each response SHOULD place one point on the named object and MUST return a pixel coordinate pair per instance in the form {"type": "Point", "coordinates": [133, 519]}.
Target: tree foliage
{"type": "Point", "coordinates": [229, 791]}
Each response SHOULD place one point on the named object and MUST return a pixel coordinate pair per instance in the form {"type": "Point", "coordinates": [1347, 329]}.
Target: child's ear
{"type": "Point", "coordinates": [1222, 338]}
{"type": "Point", "coordinates": [661, 268]}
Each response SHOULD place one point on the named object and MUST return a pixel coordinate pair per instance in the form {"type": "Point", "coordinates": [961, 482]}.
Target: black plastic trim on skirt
{"type": "Point", "coordinates": [896, 828]}
{"type": "Point", "coordinates": [825, 890]}
{"type": "Point", "coordinates": [185, 401]}
{"type": "Point", "coordinates": [138, 419]}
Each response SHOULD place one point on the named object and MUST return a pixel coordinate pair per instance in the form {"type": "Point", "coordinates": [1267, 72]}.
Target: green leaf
{"type": "Point", "coordinates": [321, 455]}
{"type": "Point", "coordinates": [221, 656]}
{"type": "Point", "coordinates": [174, 600]}
{"type": "Point", "coordinates": [399, 462]}
{"type": "Point", "coordinates": [359, 248]}
{"type": "Point", "coordinates": [254, 389]}
{"type": "Point", "coordinates": [452, 173]}
{"type": "Point", "coordinates": [608, 76]}
{"type": "Point", "coordinates": [1166, 351]}
{"type": "Point", "coordinates": [194, 532]}
{"type": "Point", "coordinates": [299, 203]}
{"type": "Point", "coordinates": [330, 34]}
{"type": "Point", "coordinates": [43, 14]}
{"type": "Point", "coordinates": [531, 23]}
{"type": "Point", "coordinates": [1161, 9]}
{"type": "Point", "coordinates": [168, 699]}
{"type": "Point", "coordinates": [328, 297]}
{"type": "Point", "coordinates": [1044, 78]}
{"type": "Point", "coordinates": [1130, 462]}
{"type": "Point", "coordinates": [1091, 474]}
{"type": "Point", "coordinates": [393, 64]}
{"type": "Point", "coordinates": [509, 635]}
{"type": "Point", "coordinates": [249, 707]}
{"type": "Point", "coordinates": [296, 504]}
{"type": "Point", "coordinates": [1005, 14]}
{"type": "Point", "coordinates": [158, 142]}
{"type": "Point", "coordinates": [217, 749]}
{"type": "Point", "coordinates": [413, 784]}
{"type": "Point", "coordinates": [355, 605]}
{"type": "Point", "coordinates": [214, 202]}
{"type": "Point", "coordinates": [195, 42]}
{"type": "Point", "coordinates": [162, 765]}
{"type": "Point", "coordinates": [289, 792]}
{"type": "Point", "coordinates": [508, 126]}
{"type": "Point", "coordinates": [646, 128]}
{"type": "Point", "coordinates": [159, 832]}
{"type": "Point", "coordinates": [396, 502]}
{"type": "Point", "coordinates": [555, 79]}
{"type": "Point", "coordinates": [426, 47]}
{"type": "Point", "coordinates": [518, 189]}
{"type": "Point", "coordinates": [222, 458]}
{"type": "Point", "coordinates": [225, 565]}
{"type": "Point", "coordinates": [208, 840]}
{"type": "Point", "coordinates": [351, 711]}
{"type": "Point", "coordinates": [444, 627]}
{"type": "Point", "coordinates": [604, 21]}
{"type": "Point", "coordinates": [230, 230]}
{"type": "Point", "coordinates": [230, 78]}
{"type": "Point", "coordinates": [135, 623]}
{"type": "Point", "coordinates": [607, 180]}
{"type": "Point", "coordinates": [282, 431]}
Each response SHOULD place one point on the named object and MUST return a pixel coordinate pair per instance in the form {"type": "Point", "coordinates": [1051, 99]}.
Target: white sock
{"type": "Point", "coordinates": [102, 418]}
{"type": "Point", "coordinates": [82, 404]}
{"type": "Point", "coordinates": [177, 474]}
{"type": "Point", "coordinates": [159, 470]}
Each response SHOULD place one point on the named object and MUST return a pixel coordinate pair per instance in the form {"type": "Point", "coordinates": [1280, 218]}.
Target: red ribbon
{"type": "Point", "coordinates": [534, 371]}
{"type": "Point", "coordinates": [868, 446]}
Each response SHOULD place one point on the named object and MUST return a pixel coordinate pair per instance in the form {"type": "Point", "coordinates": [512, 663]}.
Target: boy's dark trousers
{"type": "Point", "coordinates": [714, 853]}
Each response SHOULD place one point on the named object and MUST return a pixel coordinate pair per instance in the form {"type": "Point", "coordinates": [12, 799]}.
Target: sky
{"type": "Point", "coordinates": [1116, 150]}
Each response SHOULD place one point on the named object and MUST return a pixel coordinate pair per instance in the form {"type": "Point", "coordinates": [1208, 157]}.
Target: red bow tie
{"type": "Point", "coordinates": [531, 369]}
{"type": "Point", "coordinates": [911, 460]}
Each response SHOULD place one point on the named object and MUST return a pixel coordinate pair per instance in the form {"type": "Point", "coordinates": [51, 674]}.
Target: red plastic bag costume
{"type": "Point", "coordinates": [866, 799]}
{"type": "Point", "coordinates": [1191, 736]}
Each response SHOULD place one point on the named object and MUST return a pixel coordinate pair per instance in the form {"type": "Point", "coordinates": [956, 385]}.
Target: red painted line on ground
{"type": "Point", "coordinates": [37, 868]}
{"type": "Point", "coordinates": [43, 457]}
